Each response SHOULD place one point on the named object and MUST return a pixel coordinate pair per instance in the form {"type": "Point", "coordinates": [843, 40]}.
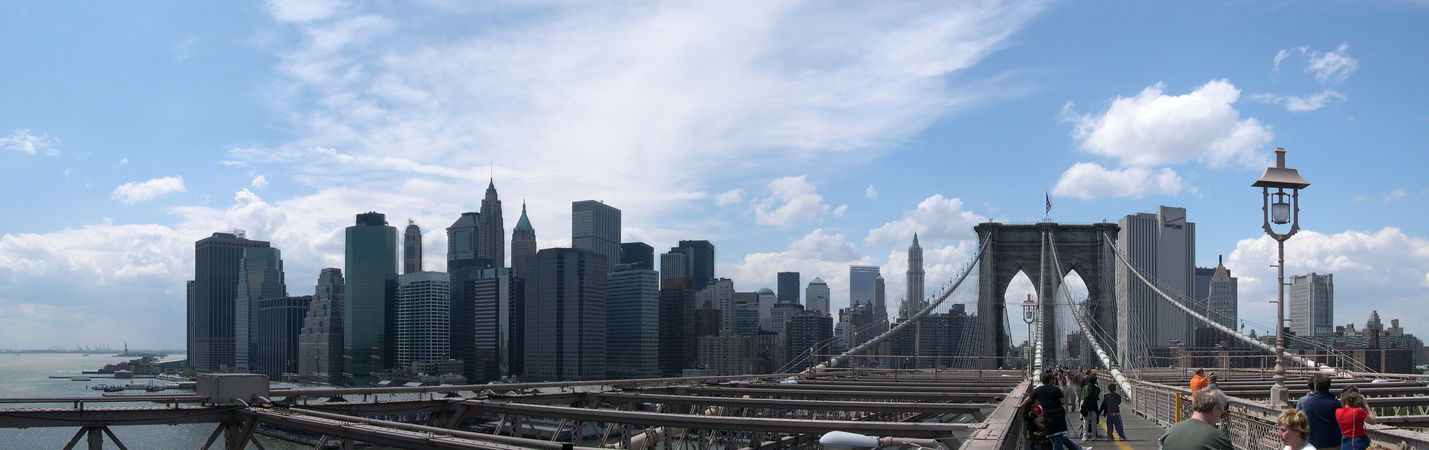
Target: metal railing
{"type": "Point", "coordinates": [1249, 424]}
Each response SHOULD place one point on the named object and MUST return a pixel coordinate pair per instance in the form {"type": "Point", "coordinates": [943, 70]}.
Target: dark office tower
{"type": "Point", "coordinates": [369, 314]}
{"type": "Point", "coordinates": [808, 333]}
{"type": "Point", "coordinates": [523, 244]}
{"type": "Point", "coordinates": [674, 265]}
{"type": "Point", "coordinates": [566, 340]}
{"type": "Point", "coordinates": [496, 327]}
{"type": "Point", "coordinates": [217, 261]}
{"type": "Point", "coordinates": [595, 226]}
{"type": "Point", "coordinates": [491, 231]}
{"type": "Point", "coordinates": [260, 276]}
{"type": "Point", "coordinates": [320, 343]}
{"type": "Point", "coordinates": [632, 321]}
{"type": "Point", "coordinates": [746, 313]}
{"type": "Point", "coordinates": [860, 284]}
{"type": "Point", "coordinates": [677, 319]}
{"type": "Point", "coordinates": [789, 287]}
{"type": "Point", "coordinates": [189, 313]}
{"type": "Point", "coordinates": [638, 253]}
{"type": "Point", "coordinates": [279, 322]}
{"type": "Point", "coordinates": [463, 267]}
{"type": "Point", "coordinates": [412, 248]}
{"type": "Point", "coordinates": [880, 300]}
{"type": "Point", "coordinates": [701, 260]}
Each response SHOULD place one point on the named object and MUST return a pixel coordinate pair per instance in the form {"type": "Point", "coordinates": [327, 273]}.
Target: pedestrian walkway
{"type": "Point", "coordinates": [1141, 433]}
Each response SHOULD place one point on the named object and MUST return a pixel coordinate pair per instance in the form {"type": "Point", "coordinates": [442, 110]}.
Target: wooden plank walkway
{"type": "Point", "coordinates": [1142, 433]}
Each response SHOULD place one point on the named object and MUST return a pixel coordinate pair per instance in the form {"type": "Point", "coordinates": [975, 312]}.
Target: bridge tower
{"type": "Point", "coordinates": [1022, 248]}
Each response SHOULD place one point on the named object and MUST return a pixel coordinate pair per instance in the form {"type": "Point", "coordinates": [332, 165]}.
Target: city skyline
{"type": "Point", "coordinates": [266, 127]}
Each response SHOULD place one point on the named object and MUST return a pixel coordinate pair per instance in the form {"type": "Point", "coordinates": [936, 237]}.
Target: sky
{"type": "Point", "coordinates": [796, 136]}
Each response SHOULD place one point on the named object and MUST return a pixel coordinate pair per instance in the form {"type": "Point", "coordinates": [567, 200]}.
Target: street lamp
{"type": "Point", "coordinates": [1280, 208]}
{"type": "Point", "coordinates": [1029, 315]}
{"type": "Point", "coordinates": [854, 440]}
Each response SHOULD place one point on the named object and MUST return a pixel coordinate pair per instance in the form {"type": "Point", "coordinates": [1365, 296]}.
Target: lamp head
{"type": "Point", "coordinates": [1281, 177]}
{"type": "Point", "coordinates": [846, 439]}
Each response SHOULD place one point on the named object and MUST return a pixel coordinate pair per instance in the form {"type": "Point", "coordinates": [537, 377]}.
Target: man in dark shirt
{"type": "Point", "coordinates": [1111, 408]}
{"type": "Point", "coordinates": [1199, 432]}
{"type": "Point", "coordinates": [1054, 412]}
{"type": "Point", "coordinates": [1319, 407]}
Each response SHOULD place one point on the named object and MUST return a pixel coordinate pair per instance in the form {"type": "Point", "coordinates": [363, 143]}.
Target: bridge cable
{"type": "Point", "coordinates": [1081, 319]}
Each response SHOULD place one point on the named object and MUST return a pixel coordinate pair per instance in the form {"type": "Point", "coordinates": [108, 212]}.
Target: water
{"type": "Point", "coordinates": [27, 375]}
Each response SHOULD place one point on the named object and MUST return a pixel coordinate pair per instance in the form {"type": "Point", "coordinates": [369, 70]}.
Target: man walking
{"type": "Point", "coordinates": [1054, 412]}
{"type": "Point", "coordinates": [1111, 408]}
{"type": "Point", "coordinates": [1200, 432]}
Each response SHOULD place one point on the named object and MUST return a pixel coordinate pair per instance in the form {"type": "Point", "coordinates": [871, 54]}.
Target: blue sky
{"type": "Point", "coordinates": [794, 135]}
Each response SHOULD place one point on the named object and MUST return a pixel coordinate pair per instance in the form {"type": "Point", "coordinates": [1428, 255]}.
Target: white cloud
{"type": "Point", "coordinates": [1153, 129]}
{"type": "Point", "coordinates": [870, 193]}
{"type": "Point", "coordinates": [791, 201]}
{"type": "Point", "coordinates": [260, 182]}
{"type": "Point", "coordinates": [1396, 194]}
{"type": "Point", "coordinates": [1360, 198]}
{"type": "Point", "coordinates": [817, 254]}
{"type": "Point", "coordinates": [1334, 66]}
{"type": "Point", "coordinates": [22, 141]}
{"type": "Point", "coordinates": [1301, 104]}
{"type": "Point", "coordinates": [123, 160]}
{"type": "Point", "coordinates": [839, 211]}
{"type": "Point", "coordinates": [303, 10]}
{"type": "Point", "coordinates": [730, 197]}
{"type": "Point", "coordinates": [1373, 271]}
{"type": "Point", "coordinates": [936, 219]}
{"type": "Point", "coordinates": [1089, 180]}
{"type": "Point", "coordinates": [138, 191]}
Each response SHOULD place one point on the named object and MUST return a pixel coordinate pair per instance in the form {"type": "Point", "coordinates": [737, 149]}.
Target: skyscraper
{"type": "Point", "coordinates": [595, 226]}
{"type": "Point", "coordinates": [464, 266]}
{"type": "Point", "coordinates": [496, 305]}
{"type": "Point", "coordinates": [423, 320]}
{"type": "Point", "coordinates": [491, 232]}
{"type": "Point", "coordinates": [632, 330]}
{"type": "Point", "coordinates": [678, 346]}
{"type": "Point", "coordinates": [523, 243]}
{"type": "Point", "coordinates": [1222, 297]}
{"type": "Point", "coordinates": [719, 294]}
{"type": "Point", "coordinates": [767, 299]}
{"type": "Point", "coordinates": [817, 296]}
{"type": "Point", "coordinates": [913, 296]}
{"type": "Point", "coordinates": [217, 263]}
{"type": "Point", "coordinates": [808, 334]}
{"type": "Point", "coordinates": [260, 276]}
{"type": "Point", "coordinates": [638, 253]}
{"type": "Point", "coordinates": [462, 237]}
{"type": "Point", "coordinates": [674, 265]}
{"type": "Point", "coordinates": [566, 341]}
{"type": "Point", "coordinates": [788, 287]}
{"type": "Point", "coordinates": [1163, 247]}
{"type": "Point", "coordinates": [320, 342]}
{"type": "Point", "coordinates": [278, 322]}
{"type": "Point", "coordinates": [860, 284]}
{"type": "Point", "coordinates": [368, 315]}
{"type": "Point", "coordinates": [412, 248]}
{"type": "Point", "coordinates": [1311, 304]}
{"type": "Point", "coordinates": [880, 299]}
{"type": "Point", "coordinates": [700, 260]}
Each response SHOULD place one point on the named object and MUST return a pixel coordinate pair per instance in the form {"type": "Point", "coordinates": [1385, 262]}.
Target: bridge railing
{"type": "Point", "coordinates": [1249, 424]}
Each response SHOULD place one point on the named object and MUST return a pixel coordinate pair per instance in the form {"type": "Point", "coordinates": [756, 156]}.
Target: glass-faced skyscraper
{"type": "Point", "coordinates": [370, 312]}
{"type": "Point", "coordinates": [700, 258]}
{"type": "Point", "coordinates": [217, 262]}
{"type": "Point", "coordinates": [638, 253]}
{"type": "Point", "coordinates": [860, 285]}
{"type": "Point", "coordinates": [632, 332]}
{"type": "Point", "coordinates": [260, 277]}
{"type": "Point", "coordinates": [595, 226]}
{"type": "Point", "coordinates": [566, 340]}
{"type": "Point", "coordinates": [788, 287]}
{"type": "Point", "coordinates": [1163, 247]}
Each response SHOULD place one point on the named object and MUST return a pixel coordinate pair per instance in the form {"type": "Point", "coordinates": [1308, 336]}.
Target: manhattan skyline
{"type": "Point", "coordinates": [795, 137]}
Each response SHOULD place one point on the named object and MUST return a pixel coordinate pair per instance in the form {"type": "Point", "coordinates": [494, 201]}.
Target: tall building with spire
{"type": "Point", "coordinates": [523, 243]}
{"type": "Point", "coordinates": [913, 296]}
{"type": "Point", "coordinates": [412, 248]}
{"type": "Point", "coordinates": [491, 233]}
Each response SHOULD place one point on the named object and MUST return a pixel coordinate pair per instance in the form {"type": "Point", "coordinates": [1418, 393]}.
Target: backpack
{"type": "Point", "coordinates": [1091, 390]}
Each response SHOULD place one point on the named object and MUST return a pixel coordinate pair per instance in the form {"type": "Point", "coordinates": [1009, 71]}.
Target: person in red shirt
{"type": "Point", "coordinates": [1352, 417]}
{"type": "Point", "coordinates": [1199, 381]}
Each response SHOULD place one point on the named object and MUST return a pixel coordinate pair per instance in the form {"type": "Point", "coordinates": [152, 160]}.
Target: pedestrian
{"type": "Point", "coordinates": [1200, 432]}
{"type": "Point", "coordinates": [1111, 408]}
{"type": "Point", "coordinates": [1199, 381]}
{"type": "Point", "coordinates": [1319, 408]}
{"type": "Point", "coordinates": [1054, 412]}
{"type": "Point", "coordinates": [1292, 428]}
{"type": "Point", "coordinates": [1091, 397]}
{"type": "Point", "coordinates": [1035, 433]}
{"type": "Point", "coordinates": [1211, 379]}
{"type": "Point", "coordinates": [1352, 416]}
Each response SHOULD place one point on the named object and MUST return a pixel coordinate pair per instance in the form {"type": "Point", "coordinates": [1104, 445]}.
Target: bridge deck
{"type": "Point", "coordinates": [1141, 433]}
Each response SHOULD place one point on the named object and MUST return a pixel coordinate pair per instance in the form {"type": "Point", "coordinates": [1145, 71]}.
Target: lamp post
{"type": "Point", "coordinates": [1280, 208]}
{"type": "Point", "coordinates": [1029, 315]}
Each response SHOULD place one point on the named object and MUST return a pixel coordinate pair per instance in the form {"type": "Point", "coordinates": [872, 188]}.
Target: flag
{"type": "Point", "coordinates": [1049, 203]}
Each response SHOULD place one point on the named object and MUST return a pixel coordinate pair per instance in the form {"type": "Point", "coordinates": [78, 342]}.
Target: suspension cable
{"type": "Point", "coordinates": [1193, 313]}
{"type": "Point", "coordinates": [1081, 322]}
